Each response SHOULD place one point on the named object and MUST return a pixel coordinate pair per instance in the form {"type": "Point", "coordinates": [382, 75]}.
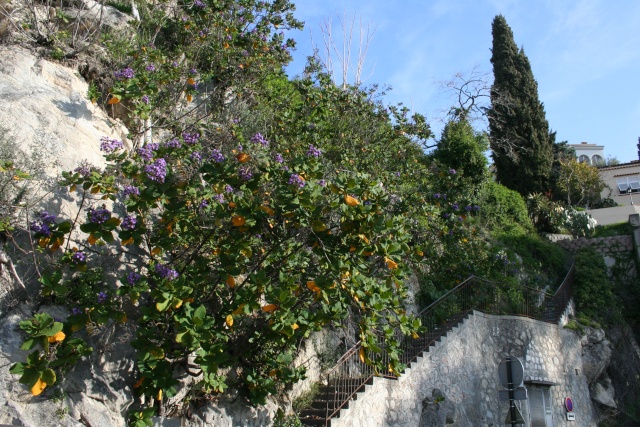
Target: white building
{"type": "Point", "coordinates": [591, 154]}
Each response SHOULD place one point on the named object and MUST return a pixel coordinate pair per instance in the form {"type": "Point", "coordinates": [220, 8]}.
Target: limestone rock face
{"type": "Point", "coordinates": [44, 105]}
{"type": "Point", "coordinates": [603, 393]}
{"type": "Point", "coordinates": [96, 392]}
{"type": "Point", "coordinates": [596, 354]}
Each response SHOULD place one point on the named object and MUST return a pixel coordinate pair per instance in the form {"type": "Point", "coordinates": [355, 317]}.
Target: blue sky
{"type": "Point", "coordinates": [585, 55]}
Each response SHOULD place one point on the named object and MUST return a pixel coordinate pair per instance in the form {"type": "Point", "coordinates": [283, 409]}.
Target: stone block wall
{"type": "Point", "coordinates": [465, 367]}
{"type": "Point", "coordinates": [604, 245]}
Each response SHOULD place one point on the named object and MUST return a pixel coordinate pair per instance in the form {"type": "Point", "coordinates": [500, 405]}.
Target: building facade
{"type": "Point", "coordinates": [591, 154]}
{"type": "Point", "coordinates": [623, 183]}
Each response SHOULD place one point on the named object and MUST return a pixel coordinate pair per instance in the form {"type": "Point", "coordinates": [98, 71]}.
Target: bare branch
{"type": "Point", "coordinates": [334, 52]}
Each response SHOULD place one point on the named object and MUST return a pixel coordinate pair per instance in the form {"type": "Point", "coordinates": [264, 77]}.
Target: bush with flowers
{"type": "Point", "coordinates": [235, 240]}
{"type": "Point", "coordinates": [251, 211]}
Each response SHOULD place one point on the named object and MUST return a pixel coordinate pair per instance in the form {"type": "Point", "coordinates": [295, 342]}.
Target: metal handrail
{"type": "Point", "coordinates": [350, 374]}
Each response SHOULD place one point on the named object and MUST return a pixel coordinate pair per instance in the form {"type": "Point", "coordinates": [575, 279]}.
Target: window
{"type": "Point", "coordinates": [540, 407]}
{"type": "Point", "coordinates": [584, 159]}
{"type": "Point", "coordinates": [628, 184]}
{"type": "Point", "coordinates": [597, 160]}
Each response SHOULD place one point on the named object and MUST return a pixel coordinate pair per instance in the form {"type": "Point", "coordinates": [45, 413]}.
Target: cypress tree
{"type": "Point", "coordinates": [520, 141]}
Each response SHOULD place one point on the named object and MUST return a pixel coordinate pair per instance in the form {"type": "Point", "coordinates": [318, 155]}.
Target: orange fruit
{"type": "Point", "coordinates": [238, 221]}
{"type": "Point", "coordinates": [351, 201]}
{"type": "Point", "coordinates": [58, 337]}
{"type": "Point", "coordinates": [38, 387]}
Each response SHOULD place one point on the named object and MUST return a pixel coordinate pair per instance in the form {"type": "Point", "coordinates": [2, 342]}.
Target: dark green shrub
{"type": "Point", "coordinates": [503, 208]}
{"type": "Point", "coordinates": [593, 290]}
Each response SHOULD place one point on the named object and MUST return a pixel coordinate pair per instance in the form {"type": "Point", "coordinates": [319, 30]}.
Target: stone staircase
{"type": "Point", "coordinates": [330, 396]}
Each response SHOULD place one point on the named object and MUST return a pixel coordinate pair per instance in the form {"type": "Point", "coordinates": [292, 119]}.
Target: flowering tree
{"type": "Point", "coordinates": [236, 240]}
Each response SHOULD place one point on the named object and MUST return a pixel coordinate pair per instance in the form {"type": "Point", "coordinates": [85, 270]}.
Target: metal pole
{"type": "Point", "coordinates": [512, 403]}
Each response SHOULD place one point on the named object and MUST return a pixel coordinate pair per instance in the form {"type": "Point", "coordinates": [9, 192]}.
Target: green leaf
{"type": "Point", "coordinates": [200, 312]}
{"type": "Point", "coordinates": [64, 227]}
{"type": "Point", "coordinates": [52, 330]}
{"type": "Point", "coordinates": [180, 336]}
{"type": "Point", "coordinates": [89, 227]}
{"type": "Point", "coordinates": [18, 368]}
{"type": "Point", "coordinates": [28, 344]}
{"type": "Point", "coordinates": [48, 376]}
{"type": "Point", "coordinates": [162, 306]}
{"type": "Point", "coordinates": [30, 376]}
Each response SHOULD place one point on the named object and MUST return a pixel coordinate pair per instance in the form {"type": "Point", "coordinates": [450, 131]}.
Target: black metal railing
{"type": "Point", "coordinates": [351, 373]}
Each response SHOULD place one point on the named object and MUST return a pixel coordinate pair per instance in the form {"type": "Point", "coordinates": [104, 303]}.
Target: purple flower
{"type": "Point", "coordinates": [460, 219]}
{"type": "Point", "coordinates": [39, 228]}
{"type": "Point", "coordinates": [446, 216]}
{"type": "Point", "coordinates": [398, 174]}
{"type": "Point", "coordinates": [190, 138]}
{"type": "Point", "coordinates": [78, 257]}
{"type": "Point", "coordinates": [99, 216]}
{"type": "Point", "coordinates": [76, 311]}
{"type": "Point", "coordinates": [203, 204]}
{"type": "Point", "coordinates": [436, 196]}
{"type": "Point", "coordinates": [216, 156]}
{"type": "Point", "coordinates": [239, 147]}
{"type": "Point", "coordinates": [133, 277]}
{"type": "Point", "coordinates": [454, 207]}
{"type": "Point", "coordinates": [102, 297]}
{"type": "Point", "coordinates": [245, 173]}
{"type": "Point", "coordinates": [150, 68]}
{"type": "Point", "coordinates": [157, 171]}
{"type": "Point", "coordinates": [468, 208]}
{"type": "Point", "coordinates": [47, 218]}
{"type": "Point", "coordinates": [200, 4]}
{"type": "Point", "coordinates": [196, 157]}
{"type": "Point", "coordinates": [313, 151]}
{"type": "Point", "coordinates": [278, 158]}
{"type": "Point", "coordinates": [146, 152]}
{"type": "Point", "coordinates": [129, 223]}
{"type": "Point", "coordinates": [174, 143]}
{"type": "Point", "coordinates": [219, 198]}
{"type": "Point", "coordinates": [452, 171]}
{"type": "Point", "coordinates": [109, 145]}
{"type": "Point", "coordinates": [84, 170]}
{"type": "Point", "coordinates": [228, 189]}
{"type": "Point", "coordinates": [258, 138]}
{"type": "Point", "coordinates": [145, 99]}
{"type": "Point", "coordinates": [130, 190]}
{"type": "Point", "coordinates": [166, 273]}
{"type": "Point", "coordinates": [322, 183]}
{"type": "Point", "coordinates": [193, 70]}
{"type": "Point", "coordinates": [296, 179]}
{"type": "Point", "coordinates": [175, 63]}
{"type": "Point", "coordinates": [127, 73]}
{"type": "Point", "coordinates": [476, 208]}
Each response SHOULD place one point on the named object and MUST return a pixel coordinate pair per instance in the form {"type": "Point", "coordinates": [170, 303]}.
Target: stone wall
{"type": "Point", "coordinates": [604, 245]}
{"type": "Point", "coordinates": [464, 366]}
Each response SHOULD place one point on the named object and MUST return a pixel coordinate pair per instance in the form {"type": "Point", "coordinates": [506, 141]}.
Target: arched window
{"type": "Point", "coordinates": [584, 159]}
{"type": "Point", "coordinates": [597, 160]}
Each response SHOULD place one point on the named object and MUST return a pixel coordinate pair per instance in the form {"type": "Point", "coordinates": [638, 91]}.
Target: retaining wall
{"type": "Point", "coordinates": [465, 367]}
{"type": "Point", "coordinates": [604, 245]}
